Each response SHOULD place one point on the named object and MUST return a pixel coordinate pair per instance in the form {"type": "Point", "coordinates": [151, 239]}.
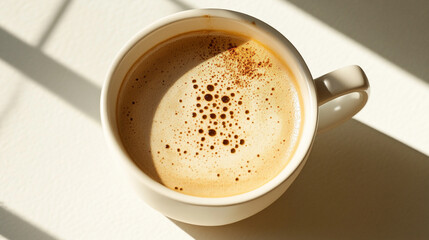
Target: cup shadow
{"type": "Point", "coordinates": [357, 184]}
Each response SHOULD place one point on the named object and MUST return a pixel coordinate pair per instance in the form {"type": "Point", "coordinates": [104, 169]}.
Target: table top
{"type": "Point", "coordinates": [366, 179]}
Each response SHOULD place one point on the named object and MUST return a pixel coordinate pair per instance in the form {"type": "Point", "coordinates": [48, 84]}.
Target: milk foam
{"type": "Point", "coordinates": [210, 114]}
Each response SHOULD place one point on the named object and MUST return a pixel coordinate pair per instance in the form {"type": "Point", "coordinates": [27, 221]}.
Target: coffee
{"type": "Point", "coordinates": [210, 114]}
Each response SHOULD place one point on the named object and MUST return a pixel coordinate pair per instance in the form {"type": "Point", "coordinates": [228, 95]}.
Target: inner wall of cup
{"type": "Point", "coordinates": [264, 34]}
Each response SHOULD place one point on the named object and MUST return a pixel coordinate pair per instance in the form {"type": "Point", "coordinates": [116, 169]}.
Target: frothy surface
{"type": "Point", "coordinates": [210, 114]}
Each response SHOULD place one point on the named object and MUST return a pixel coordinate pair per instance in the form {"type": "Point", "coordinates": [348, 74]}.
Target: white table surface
{"type": "Point", "coordinates": [367, 179]}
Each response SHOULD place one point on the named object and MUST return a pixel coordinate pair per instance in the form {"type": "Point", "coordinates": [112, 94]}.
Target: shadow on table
{"type": "Point", "coordinates": [358, 184]}
{"type": "Point", "coordinates": [14, 227]}
{"type": "Point", "coordinates": [182, 5]}
{"type": "Point", "coordinates": [54, 76]}
{"type": "Point", "coordinates": [397, 30]}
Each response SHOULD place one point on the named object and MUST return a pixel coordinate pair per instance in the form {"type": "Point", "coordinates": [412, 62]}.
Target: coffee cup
{"type": "Point", "coordinates": [314, 106]}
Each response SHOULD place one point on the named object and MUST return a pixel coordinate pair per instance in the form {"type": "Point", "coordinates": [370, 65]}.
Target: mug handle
{"type": "Point", "coordinates": [340, 95]}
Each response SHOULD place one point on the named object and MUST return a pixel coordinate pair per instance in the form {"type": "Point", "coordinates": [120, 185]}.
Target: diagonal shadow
{"type": "Point", "coordinates": [69, 85]}
{"type": "Point", "coordinates": [181, 4]}
{"type": "Point", "coordinates": [14, 227]}
{"type": "Point", "coordinates": [54, 23]}
{"type": "Point", "coordinates": [397, 30]}
{"type": "Point", "coordinates": [357, 184]}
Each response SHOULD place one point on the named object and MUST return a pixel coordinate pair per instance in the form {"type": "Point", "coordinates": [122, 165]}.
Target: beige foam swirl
{"type": "Point", "coordinates": [210, 114]}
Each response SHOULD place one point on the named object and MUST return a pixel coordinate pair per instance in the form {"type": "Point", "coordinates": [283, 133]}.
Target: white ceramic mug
{"type": "Point", "coordinates": [327, 101]}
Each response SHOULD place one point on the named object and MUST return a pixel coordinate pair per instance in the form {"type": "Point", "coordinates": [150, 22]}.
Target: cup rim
{"type": "Point", "coordinates": [297, 158]}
